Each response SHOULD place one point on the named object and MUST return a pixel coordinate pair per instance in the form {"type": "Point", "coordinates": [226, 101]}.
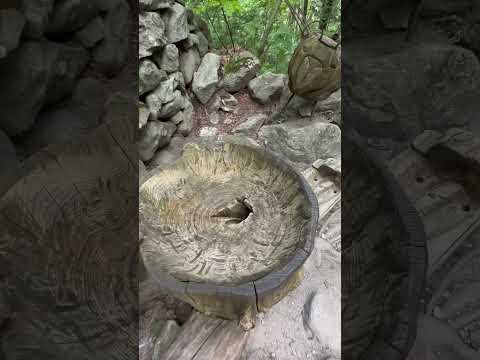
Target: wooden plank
{"type": "Point", "coordinates": [204, 338]}
{"type": "Point", "coordinates": [195, 333]}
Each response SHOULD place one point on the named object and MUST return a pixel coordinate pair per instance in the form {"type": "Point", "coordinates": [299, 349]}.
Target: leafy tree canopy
{"type": "Point", "coordinates": [270, 29]}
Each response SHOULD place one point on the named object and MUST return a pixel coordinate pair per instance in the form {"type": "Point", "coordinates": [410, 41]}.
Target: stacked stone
{"type": "Point", "coordinates": [45, 49]}
{"type": "Point", "coordinates": [172, 43]}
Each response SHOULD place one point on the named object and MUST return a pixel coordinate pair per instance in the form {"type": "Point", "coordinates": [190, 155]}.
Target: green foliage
{"type": "Point", "coordinates": [235, 64]}
{"type": "Point", "coordinates": [248, 20]}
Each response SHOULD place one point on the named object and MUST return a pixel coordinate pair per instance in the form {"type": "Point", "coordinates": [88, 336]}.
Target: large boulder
{"type": "Point", "coordinates": [205, 79]}
{"type": "Point", "coordinates": [111, 54]}
{"type": "Point", "coordinates": [189, 62]}
{"type": "Point", "coordinates": [239, 71]}
{"type": "Point", "coordinates": [266, 87]}
{"type": "Point", "coordinates": [36, 74]}
{"type": "Point", "coordinates": [176, 23]}
{"type": "Point", "coordinates": [303, 141]}
{"type": "Point", "coordinates": [163, 94]}
{"type": "Point", "coordinates": [314, 70]}
{"type": "Point", "coordinates": [155, 135]}
{"type": "Point", "coordinates": [149, 76]}
{"type": "Point", "coordinates": [9, 167]}
{"type": "Point", "coordinates": [11, 27]}
{"type": "Point", "coordinates": [151, 33]}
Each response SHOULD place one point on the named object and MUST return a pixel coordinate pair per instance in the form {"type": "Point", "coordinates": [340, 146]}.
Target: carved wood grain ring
{"type": "Point", "coordinates": [227, 227]}
{"type": "Point", "coordinates": [392, 339]}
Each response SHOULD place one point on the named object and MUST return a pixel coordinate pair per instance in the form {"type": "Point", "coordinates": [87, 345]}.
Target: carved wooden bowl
{"type": "Point", "coordinates": [227, 227]}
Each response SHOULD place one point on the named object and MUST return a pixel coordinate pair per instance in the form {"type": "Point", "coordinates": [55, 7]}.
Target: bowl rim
{"type": "Point", "coordinates": [271, 281]}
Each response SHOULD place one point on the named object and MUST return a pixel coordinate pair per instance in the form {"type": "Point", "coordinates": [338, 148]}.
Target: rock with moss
{"type": "Point", "coordinates": [239, 71]}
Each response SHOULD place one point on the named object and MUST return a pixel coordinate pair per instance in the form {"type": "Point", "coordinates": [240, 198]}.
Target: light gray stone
{"type": "Point", "coordinates": [203, 44]}
{"type": "Point", "coordinates": [111, 54]}
{"type": "Point", "coordinates": [266, 87]}
{"type": "Point", "coordinates": [149, 76]}
{"type": "Point", "coordinates": [169, 154]}
{"type": "Point", "coordinates": [151, 33]}
{"type": "Point", "coordinates": [208, 131]}
{"type": "Point", "coordinates": [92, 33]}
{"type": "Point", "coordinates": [205, 79]}
{"type": "Point", "coordinates": [303, 142]}
{"type": "Point", "coordinates": [189, 62]}
{"type": "Point", "coordinates": [179, 81]}
{"type": "Point", "coordinates": [228, 102]}
{"type": "Point", "coordinates": [251, 125]}
{"type": "Point", "coordinates": [191, 40]}
{"type": "Point", "coordinates": [185, 127]}
{"type": "Point", "coordinates": [163, 94]}
{"type": "Point", "coordinates": [239, 71]}
{"type": "Point", "coordinates": [155, 4]}
{"type": "Point", "coordinates": [332, 103]}
{"type": "Point", "coordinates": [169, 59]}
{"type": "Point", "coordinates": [155, 135]}
{"type": "Point", "coordinates": [143, 115]}
{"type": "Point", "coordinates": [12, 23]}
{"type": "Point", "coordinates": [171, 108]}
{"type": "Point", "coordinates": [176, 23]}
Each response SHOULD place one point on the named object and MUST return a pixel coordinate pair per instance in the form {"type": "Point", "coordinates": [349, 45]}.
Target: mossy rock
{"type": "Point", "coordinates": [315, 69]}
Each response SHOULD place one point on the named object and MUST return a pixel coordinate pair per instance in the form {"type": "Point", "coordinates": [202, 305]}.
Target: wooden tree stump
{"type": "Point", "coordinates": [384, 259]}
{"type": "Point", "coordinates": [227, 228]}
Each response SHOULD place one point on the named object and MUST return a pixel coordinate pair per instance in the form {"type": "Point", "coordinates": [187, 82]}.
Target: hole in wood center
{"type": "Point", "coordinates": [236, 212]}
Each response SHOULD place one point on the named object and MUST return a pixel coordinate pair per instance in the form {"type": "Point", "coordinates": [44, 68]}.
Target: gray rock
{"type": "Point", "coordinates": [36, 74]}
{"type": "Point", "coordinates": [155, 135]}
{"type": "Point", "coordinates": [169, 332]}
{"type": "Point", "coordinates": [171, 108]}
{"type": "Point", "coordinates": [208, 131]}
{"type": "Point", "coordinates": [169, 154]}
{"type": "Point", "coordinates": [203, 44]}
{"type": "Point", "coordinates": [92, 33]}
{"type": "Point", "coordinates": [37, 15]}
{"type": "Point", "coordinates": [180, 81]}
{"type": "Point", "coordinates": [143, 115]}
{"type": "Point", "coordinates": [191, 40]}
{"type": "Point", "coordinates": [304, 141]}
{"type": "Point", "coordinates": [325, 320]}
{"type": "Point", "coordinates": [111, 54]}
{"type": "Point", "coordinates": [251, 125]}
{"type": "Point", "coordinates": [266, 87]}
{"type": "Point", "coordinates": [155, 4]}
{"type": "Point", "coordinates": [169, 59]}
{"type": "Point", "coordinates": [205, 79]}
{"type": "Point", "coordinates": [149, 76]}
{"type": "Point", "coordinates": [142, 171]}
{"type": "Point", "coordinates": [189, 62]}
{"type": "Point", "coordinates": [71, 15]}
{"type": "Point", "coordinates": [176, 23]}
{"type": "Point", "coordinates": [11, 27]}
{"type": "Point", "coordinates": [177, 118]}
{"type": "Point", "coordinates": [67, 121]}
{"type": "Point", "coordinates": [301, 106]}
{"type": "Point", "coordinates": [228, 102]}
{"type": "Point", "coordinates": [161, 95]}
{"type": "Point", "coordinates": [214, 118]}
{"type": "Point", "coordinates": [239, 71]}
{"type": "Point", "coordinates": [9, 171]}
{"type": "Point", "coordinates": [332, 103]}
{"type": "Point", "coordinates": [151, 33]}
{"type": "Point", "coordinates": [186, 126]}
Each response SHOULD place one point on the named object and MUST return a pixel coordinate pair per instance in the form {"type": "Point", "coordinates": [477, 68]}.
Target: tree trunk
{"type": "Point", "coordinates": [268, 30]}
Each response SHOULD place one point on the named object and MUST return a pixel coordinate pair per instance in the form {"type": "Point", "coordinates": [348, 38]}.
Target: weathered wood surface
{"type": "Point", "coordinates": [204, 338]}
{"type": "Point", "coordinates": [227, 227]}
{"type": "Point", "coordinates": [383, 259]}
{"type": "Point", "coordinates": [68, 255]}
